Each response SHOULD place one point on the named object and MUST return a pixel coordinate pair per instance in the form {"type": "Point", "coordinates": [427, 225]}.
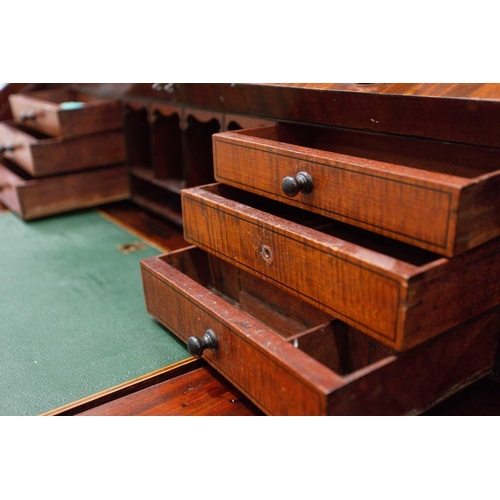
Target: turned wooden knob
{"type": "Point", "coordinates": [27, 115]}
{"type": "Point", "coordinates": [7, 147]}
{"type": "Point", "coordinates": [196, 346]}
{"type": "Point", "coordinates": [301, 183]}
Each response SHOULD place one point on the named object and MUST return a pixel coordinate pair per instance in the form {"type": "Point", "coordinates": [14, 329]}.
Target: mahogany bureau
{"type": "Point", "coordinates": [347, 260]}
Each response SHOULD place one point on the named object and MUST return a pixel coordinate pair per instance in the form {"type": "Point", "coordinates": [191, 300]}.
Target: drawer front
{"type": "Point", "coordinates": [250, 356]}
{"type": "Point", "coordinates": [41, 157]}
{"type": "Point", "coordinates": [374, 201]}
{"type": "Point", "coordinates": [36, 198]}
{"type": "Point", "coordinates": [316, 271]}
{"type": "Point", "coordinates": [8, 189]}
{"type": "Point", "coordinates": [16, 145]}
{"type": "Point", "coordinates": [38, 111]}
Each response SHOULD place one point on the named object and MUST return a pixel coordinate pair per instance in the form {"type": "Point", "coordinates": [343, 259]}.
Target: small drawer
{"type": "Point", "coordinates": [291, 359]}
{"type": "Point", "coordinates": [396, 293]}
{"type": "Point", "coordinates": [65, 113]}
{"type": "Point", "coordinates": [35, 198]}
{"type": "Point", "coordinates": [41, 156]}
{"type": "Point", "coordinates": [442, 197]}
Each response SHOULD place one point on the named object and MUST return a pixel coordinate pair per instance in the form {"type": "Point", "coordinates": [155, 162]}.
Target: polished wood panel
{"type": "Point", "coordinates": [47, 116]}
{"type": "Point", "coordinates": [398, 294]}
{"type": "Point", "coordinates": [201, 392]}
{"type": "Point", "coordinates": [293, 375]}
{"type": "Point", "coordinates": [41, 156]}
{"type": "Point", "coordinates": [35, 198]}
{"type": "Point", "coordinates": [432, 195]}
{"type": "Point", "coordinates": [441, 111]}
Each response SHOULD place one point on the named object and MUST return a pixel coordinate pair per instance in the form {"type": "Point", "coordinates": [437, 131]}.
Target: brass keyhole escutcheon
{"type": "Point", "coordinates": [266, 253]}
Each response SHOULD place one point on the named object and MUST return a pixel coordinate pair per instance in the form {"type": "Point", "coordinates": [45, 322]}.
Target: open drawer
{"type": "Point", "coordinates": [35, 198]}
{"type": "Point", "coordinates": [291, 359]}
{"type": "Point", "coordinates": [65, 113]}
{"type": "Point", "coordinates": [41, 156]}
{"type": "Point", "coordinates": [394, 292]}
{"type": "Point", "coordinates": [442, 197]}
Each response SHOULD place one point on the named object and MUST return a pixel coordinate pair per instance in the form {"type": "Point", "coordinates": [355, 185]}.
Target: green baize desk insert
{"type": "Point", "coordinates": [72, 315]}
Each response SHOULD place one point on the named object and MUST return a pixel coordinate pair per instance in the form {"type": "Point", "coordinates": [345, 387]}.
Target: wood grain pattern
{"type": "Point", "coordinates": [95, 116]}
{"type": "Point", "coordinates": [393, 293]}
{"type": "Point", "coordinates": [41, 156]}
{"type": "Point", "coordinates": [251, 355]}
{"type": "Point", "coordinates": [35, 198]}
{"type": "Point", "coordinates": [201, 392]}
{"type": "Point", "coordinates": [126, 388]}
{"type": "Point", "coordinates": [467, 113]}
{"type": "Point", "coordinates": [286, 380]}
{"type": "Point", "coordinates": [410, 190]}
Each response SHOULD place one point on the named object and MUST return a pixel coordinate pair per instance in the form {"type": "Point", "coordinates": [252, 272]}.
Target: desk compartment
{"type": "Point", "coordinates": [291, 359]}
{"type": "Point", "coordinates": [35, 198]}
{"type": "Point", "coordinates": [65, 113]}
{"type": "Point", "coordinates": [41, 156]}
{"type": "Point", "coordinates": [396, 293]}
{"type": "Point", "coordinates": [442, 197]}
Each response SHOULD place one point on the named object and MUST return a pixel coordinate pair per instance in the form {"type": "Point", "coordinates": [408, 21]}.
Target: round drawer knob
{"type": "Point", "coordinates": [301, 183]}
{"type": "Point", "coordinates": [27, 115]}
{"type": "Point", "coordinates": [196, 346]}
{"type": "Point", "coordinates": [6, 147]}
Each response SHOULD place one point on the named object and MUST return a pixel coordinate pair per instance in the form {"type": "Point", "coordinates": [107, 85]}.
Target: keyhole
{"type": "Point", "coordinates": [266, 253]}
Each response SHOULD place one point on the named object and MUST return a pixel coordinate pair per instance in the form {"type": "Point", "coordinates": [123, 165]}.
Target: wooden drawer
{"type": "Point", "coordinates": [396, 293]}
{"type": "Point", "coordinates": [41, 156]}
{"type": "Point", "coordinates": [291, 359]}
{"type": "Point", "coordinates": [442, 197]}
{"type": "Point", "coordinates": [65, 113]}
{"type": "Point", "coordinates": [35, 198]}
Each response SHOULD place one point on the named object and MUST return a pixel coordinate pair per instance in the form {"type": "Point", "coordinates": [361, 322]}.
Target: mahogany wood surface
{"type": "Point", "coordinates": [157, 231]}
{"type": "Point", "coordinates": [432, 195]}
{"type": "Point", "coordinates": [467, 113]}
{"type": "Point", "coordinates": [399, 295]}
{"type": "Point", "coordinates": [35, 198]}
{"type": "Point", "coordinates": [95, 116]}
{"type": "Point", "coordinates": [41, 156]}
{"type": "Point", "coordinates": [201, 392]}
{"type": "Point", "coordinates": [285, 380]}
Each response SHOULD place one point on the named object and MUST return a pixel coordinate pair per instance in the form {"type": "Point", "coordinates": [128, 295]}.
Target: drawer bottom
{"type": "Point", "coordinates": [291, 359]}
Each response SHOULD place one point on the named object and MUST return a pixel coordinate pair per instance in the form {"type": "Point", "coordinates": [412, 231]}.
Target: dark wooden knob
{"type": "Point", "coordinates": [196, 346]}
{"type": "Point", "coordinates": [27, 115]}
{"type": "Point", "coordinates": [301, 183]}
{"type": "Point", "coordinates": [6, 147]}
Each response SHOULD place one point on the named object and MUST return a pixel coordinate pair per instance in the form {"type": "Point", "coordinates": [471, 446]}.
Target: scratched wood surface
{"type": "Point", "coordinates": [327, 369]}
{"type": "Point", "coordinates": [436, 196]}
{"type": "Point", "coordinates": [396, 293]}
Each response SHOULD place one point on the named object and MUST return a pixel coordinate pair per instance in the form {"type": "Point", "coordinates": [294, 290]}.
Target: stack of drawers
{"type": "Point", "coordinates": [63, 151]}
{"type": "Point", "coordinates": [338, 272]}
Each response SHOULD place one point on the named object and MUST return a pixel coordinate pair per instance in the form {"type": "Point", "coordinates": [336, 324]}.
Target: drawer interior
{"type": "Point", "coordinates": [357, 236]}
{"type": "Point", "coordinates": [58, 96]}
{"type": "Point", "coordinates": [334, 344]}
{"type": "Point", "coordinates": [446, 158]}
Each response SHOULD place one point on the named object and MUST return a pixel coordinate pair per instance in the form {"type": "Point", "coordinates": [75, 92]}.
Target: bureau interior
{"type": "Point", "coordinates": [336, 345]}
{"type": "Point", "coordinates": [329, 227]}
{"type": "Point", "coordinates": [434, 156]}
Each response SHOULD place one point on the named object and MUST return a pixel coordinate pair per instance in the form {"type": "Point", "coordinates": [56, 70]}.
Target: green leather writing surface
{"type": "Point", "coordinates": [72, 315]}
